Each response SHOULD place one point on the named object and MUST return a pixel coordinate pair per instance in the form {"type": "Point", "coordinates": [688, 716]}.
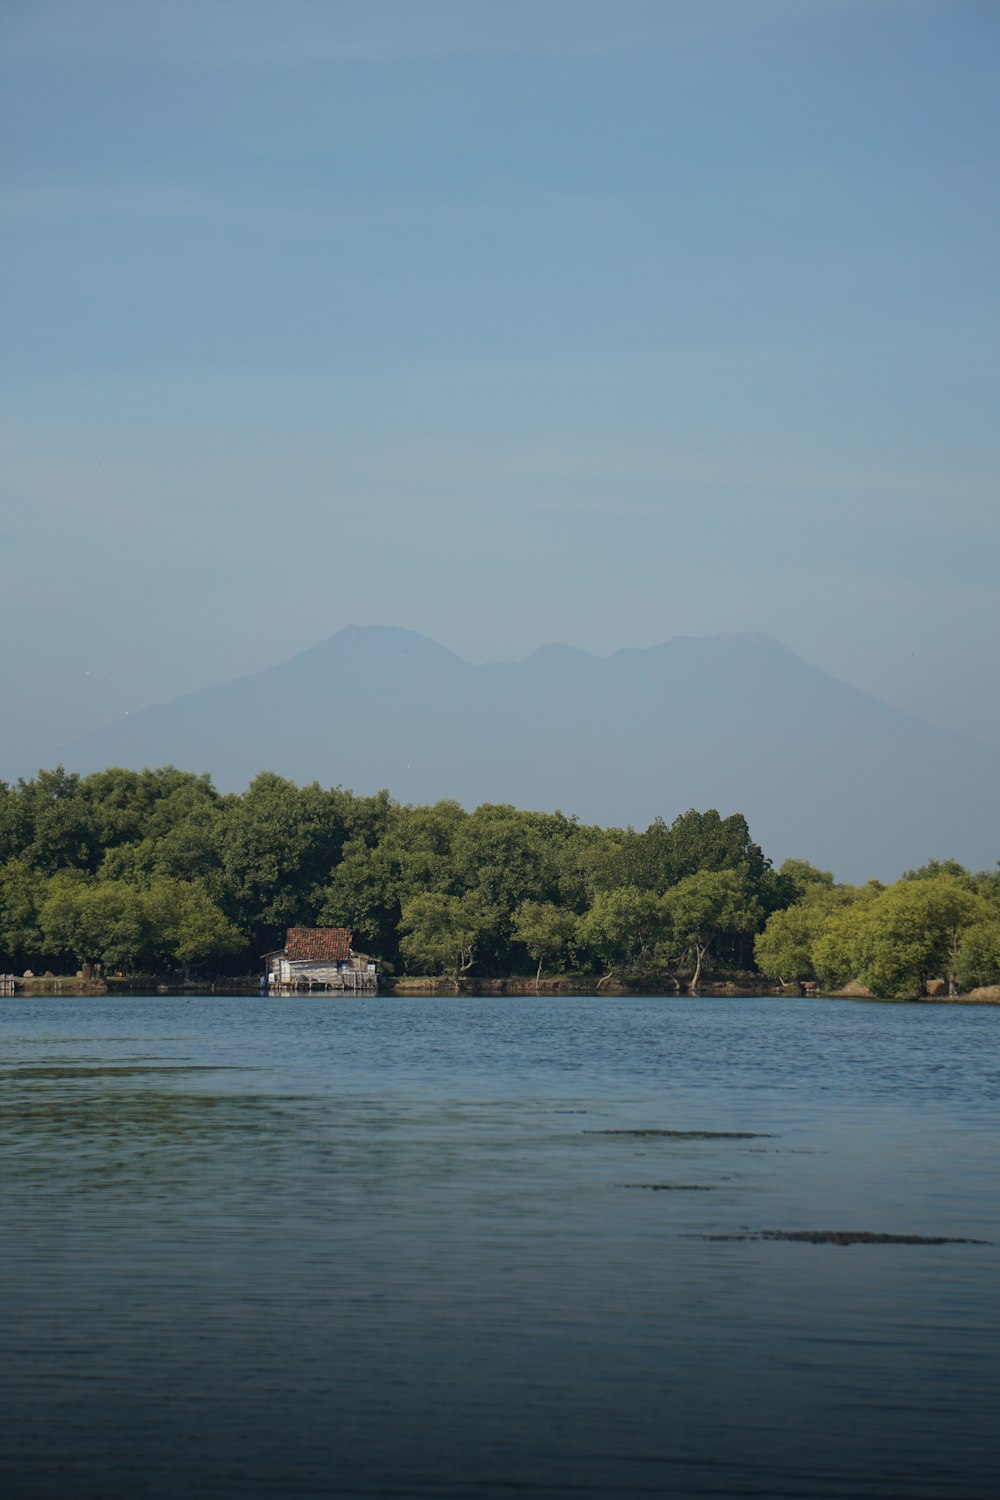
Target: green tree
{"type": "Point", "coordinates": [180, 837]}
{"type": "Point", "coordinates": [62, 918]}
{"type": "Point", "coordinates": [786, 947]}
{"type": "Point", "coordinates": [579, 855]}
{"type": "Point", "coordinates": [801, 875]}
{"type": "Point", "coordinates": [121, 802]}
{"type": "Point", "coordinates": [914, 932]}
{"type": "Point", "coordinates": [705, 906]}
{"type": "Point", "coordinates": [278, 844]}
{"type": "Point", "coordinates": [369, 886]}
{"type": "Point", "coordinates": [834, 950]}
{"type": "Point", "coordinates": [184, 924]}
{"type": "Point", "coordinates": [58, 822]}
{"type": "Point", "coordinates": [621, 927]}
{"type": "Point", "coordinates": [22, 890]}
{"type": "Point", "coordinates": [546, 930]}
{"type": "Point", "coordinates": [935, 867]}
{"type": "Point", "coordinates": [365, 893]}
{"type": "Point", "coordinates": [783, 951]}
{"type": "Point", "coordinates": [14, 836]}
{"type": "Point", "coordinates": [504, 857]}
{"type": "Point", "coordinates": [441, 933]}
{"type": "Point", "coordinates": [663, 856]}
{"type": "Point", "coordinates": [94, 921]}
{"type": "Point", "coordinates": [705, 841]}
{"type": "Point", "coordinates": [978, 958]}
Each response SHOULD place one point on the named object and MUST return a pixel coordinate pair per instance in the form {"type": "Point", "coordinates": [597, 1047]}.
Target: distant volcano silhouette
{"type": "Point", "coordinates": [736, 722]}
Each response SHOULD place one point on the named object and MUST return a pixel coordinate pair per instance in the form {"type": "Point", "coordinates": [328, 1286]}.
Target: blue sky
{"type": "Point", "coordinates": [505, 322]}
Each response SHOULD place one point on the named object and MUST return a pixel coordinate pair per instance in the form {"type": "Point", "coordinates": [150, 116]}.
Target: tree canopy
{"type": "Point", "coordinates": [156, 872]}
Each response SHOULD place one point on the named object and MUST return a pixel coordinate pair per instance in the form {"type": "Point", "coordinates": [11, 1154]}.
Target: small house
{"type": "Point", "coordinates": [319, 958]}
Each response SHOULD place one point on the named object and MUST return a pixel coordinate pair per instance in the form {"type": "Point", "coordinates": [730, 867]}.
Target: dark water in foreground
{"type": "Point", "coordinates": [302, 1247]}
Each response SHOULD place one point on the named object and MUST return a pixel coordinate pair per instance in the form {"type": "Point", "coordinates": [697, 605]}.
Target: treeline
{"type": "Point", "coordinates": [157, 872]}
{"type": "Point", "coordinates": [939, 923]}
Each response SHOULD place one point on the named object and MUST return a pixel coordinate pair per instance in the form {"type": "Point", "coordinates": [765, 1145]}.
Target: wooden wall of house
{"type": "Point", "coordinates": [328, 975]}
{"type": "Point", "coordinates": [318, 970]}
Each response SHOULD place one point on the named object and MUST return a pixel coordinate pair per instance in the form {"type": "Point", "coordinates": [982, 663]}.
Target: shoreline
{"type": "Point", "coordinates": [562, 985]}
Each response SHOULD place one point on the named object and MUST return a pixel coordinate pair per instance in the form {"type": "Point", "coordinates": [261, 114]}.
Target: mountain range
{"type": "Point", "coordinates": [737, 722]}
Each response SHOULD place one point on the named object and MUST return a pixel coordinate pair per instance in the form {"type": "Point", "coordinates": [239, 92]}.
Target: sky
{"type": "Point", "coordinates": [505, 321]}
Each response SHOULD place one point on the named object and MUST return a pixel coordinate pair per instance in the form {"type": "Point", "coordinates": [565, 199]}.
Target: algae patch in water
{"type": "Point", "coordinates": [843, 1237]}
{"type": "Point", "coordinates": [671, 1187]}
{"type": "Point", "coordinates": [691, 1135]}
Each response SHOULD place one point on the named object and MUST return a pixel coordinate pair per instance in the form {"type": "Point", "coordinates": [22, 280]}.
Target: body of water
{"type": "Point", "coordinates": [312, 1246]}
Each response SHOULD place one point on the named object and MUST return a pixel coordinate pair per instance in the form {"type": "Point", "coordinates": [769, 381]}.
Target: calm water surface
{"type": "Point", "coordinates": [304, 1247]}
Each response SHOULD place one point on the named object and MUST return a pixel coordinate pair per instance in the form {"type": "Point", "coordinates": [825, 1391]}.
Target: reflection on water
{"type": "Point", "coordinates": [439, 1247]}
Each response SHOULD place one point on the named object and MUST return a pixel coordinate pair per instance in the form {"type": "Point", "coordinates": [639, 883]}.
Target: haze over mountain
{"type": "Point", "coordinates": [736, 722]}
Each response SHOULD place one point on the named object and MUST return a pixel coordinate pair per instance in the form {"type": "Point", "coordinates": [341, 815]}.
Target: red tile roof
{"type": "Point", "coordinates": [318, 944]}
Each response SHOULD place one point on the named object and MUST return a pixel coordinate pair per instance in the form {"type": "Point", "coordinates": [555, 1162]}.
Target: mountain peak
{"type": "Point", "coordinates": [378, 641]}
